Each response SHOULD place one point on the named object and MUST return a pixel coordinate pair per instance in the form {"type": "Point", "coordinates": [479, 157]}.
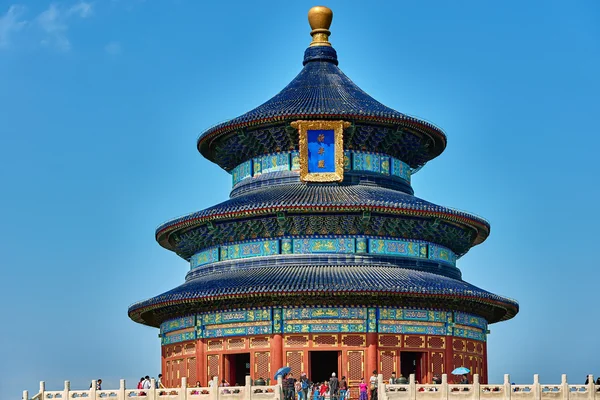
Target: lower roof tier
{"type": "Point", "coordinates": [322, 285]}
{"type": "Point", "coordinates": [374, 205]}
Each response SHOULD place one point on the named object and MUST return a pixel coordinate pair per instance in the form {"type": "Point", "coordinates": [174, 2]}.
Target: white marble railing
{"type": "Point", "coordinates": [247, 392]}
{"type": "Point", "coordinates": [477, 391]}
{"type": "Point", "coordinates": [410, 391]}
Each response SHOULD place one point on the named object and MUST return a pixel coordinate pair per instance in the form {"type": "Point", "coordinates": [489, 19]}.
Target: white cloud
{"type": "Point", "coordinates": [82, 9]}
{"type": "Point", "coordinates": [54, 22]}
{"type": "Point", "coordinates": [10, 23]}
{"type": "Point", "coordinates": [113, 48]}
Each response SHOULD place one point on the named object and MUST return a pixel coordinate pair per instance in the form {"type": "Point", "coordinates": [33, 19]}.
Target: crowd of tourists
{"type": "Point", "coordinates": [331, 389]}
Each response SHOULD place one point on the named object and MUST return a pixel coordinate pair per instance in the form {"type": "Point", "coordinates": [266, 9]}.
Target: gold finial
{"type": "Point", "coordinates": [319, 18]}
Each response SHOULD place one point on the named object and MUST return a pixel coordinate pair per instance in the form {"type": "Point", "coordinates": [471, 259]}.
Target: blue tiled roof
{"type": "Point", "coordinates": [325, 279]}
{"type": "Point", "coordinates": [304, 196]}
{"type": "Point", "coordinates": [319, 91]}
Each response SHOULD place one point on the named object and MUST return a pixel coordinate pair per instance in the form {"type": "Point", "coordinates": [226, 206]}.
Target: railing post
{"type": "Point", "coordinates": [25, 395]}
{"type": "Point", "coordinates": [66, 390]}
{"type": "Point", "coordinates": [537, 392]}
{"type": "Point", "coordinates": [152, 392]}
{"type": "Point", "coordinates": [444, 388]}
{"type": "Point", "coordinates": [412, 387]}
{"type": "Point", "coordinates": [248, 388]}
{"type": "Point", "coordinates": [476, 387]}
{"type": "Point", "coordinates": [591, 388]}
{"type": "Point", "coordinates": [280, 395]}
{"type": "Point", "coordinates": [122, 395]}
{"type": "Point", "coordinates": [381, 393]}
{"type": "Point", "coordinates": [42, 389]}
{"type": "Point", "coordinates": [214, 389]}
{"type": "Point", "coordinates": [507, 387]}
{"type": "Point", "coordinates": [93, 390]}
{"type": "Point", "coordinates": [564, 387]}
{"type": "Point", "coordinates": [183, 394]}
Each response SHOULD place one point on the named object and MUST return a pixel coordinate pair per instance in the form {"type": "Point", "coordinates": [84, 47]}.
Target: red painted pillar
{"type": "Point", "coordinates": [226, 368]}
{"type": "Point", "coordinates": [200, 362]}
{"type": "Point", "coordinates": [449, 358]}
{"type": "Point", "coordinates": [371, 354]}
{"type": "Point", "coordinates": [276, 352]}
{"type": "Point", "coordinates": [484, 367]}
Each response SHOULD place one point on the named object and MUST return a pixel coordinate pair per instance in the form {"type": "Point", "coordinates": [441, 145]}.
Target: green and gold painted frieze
{"type": "Point", "coordinates": [353, 161]}
{"type": "Point", "coordinates": [247, 322]}
{"type": "Point", "coordinates": [319, 245]}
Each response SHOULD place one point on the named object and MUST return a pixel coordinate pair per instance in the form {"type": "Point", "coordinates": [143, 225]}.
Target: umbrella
{"type": "Point", "coordinates": [461, 371]}
{"type": "Point", "coordinates": [282, 371]}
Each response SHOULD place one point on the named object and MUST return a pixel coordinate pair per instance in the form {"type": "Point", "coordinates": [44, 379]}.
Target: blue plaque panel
{"type": "Point", "coordinates": [321, 150]}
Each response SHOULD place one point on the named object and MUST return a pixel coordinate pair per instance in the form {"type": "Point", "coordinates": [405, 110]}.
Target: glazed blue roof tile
{"type": "Point", "coordinates": [302, 195]}
{"type": "Point", "coordinates": [319, 278]}
{"type": "Point", "coordinates": [321, 89]}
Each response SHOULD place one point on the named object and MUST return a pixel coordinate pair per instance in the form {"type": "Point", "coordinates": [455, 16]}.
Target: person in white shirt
{"type": "Point", "coordinates": [146, 384]}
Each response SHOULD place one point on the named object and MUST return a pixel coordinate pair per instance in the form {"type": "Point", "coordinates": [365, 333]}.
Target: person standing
{"type": "Point", "coordinates": [146, 384]}
{"type": "Point", "coordinates": [334, 387]}
{"type": "Point", "coordinates": [290, 384]}
{"type": "Point", "coordinates": [159, 383]}
{"type": "Point", "coordinates": [343, 388]}
{"type": "Point", "coordinates": [305, 385]}
{"type": "Point", "coordinates": [373, 383]}
{"type": "Point", "coordinates": [362, 387]}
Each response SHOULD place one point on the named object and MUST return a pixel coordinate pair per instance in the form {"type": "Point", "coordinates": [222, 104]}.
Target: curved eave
{"type": "Point", "coordinates": [163, 233]}
{"type": "Point", "coordinates": [206, 140]}
{"type": "Point", "coordinates": [137, 313]}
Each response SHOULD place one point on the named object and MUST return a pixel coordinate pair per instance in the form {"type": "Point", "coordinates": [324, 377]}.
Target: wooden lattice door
{"type": "Point", "coordinates": [355, 370]}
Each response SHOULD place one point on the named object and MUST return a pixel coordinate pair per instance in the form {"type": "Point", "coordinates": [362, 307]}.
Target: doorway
{"type": "Point", "coordinates": [239, 367]}
{"type": "Point", "coordinates": [322, 364]}
{"type": "Point", "coordinates": [412, 362]}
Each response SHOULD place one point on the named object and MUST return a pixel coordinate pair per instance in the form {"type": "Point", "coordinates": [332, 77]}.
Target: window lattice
{"type": "Point", "coordinates": [234, 344]}
{"type": "Point", "coordinates": [179, 371]}
{"type": "Point", "coordinates": [178, 350]}
{"type": "Point", "coordinates": [257, 342]}
{"type": "Point", "coordinates": [215, 345]}
{"type": "Point", "coordinates": [414, 341]}
{"type": "Point", "coordinates": [436, 342]}
{"type": "Point", "coordinates": [191, 371]}
{"type": "Point", "coordinates": [479, 348]}
{"type": "Point", "coordinates": [325, 340]}
{"type": "Point", "coordinates": [387, 363]}
{"type": "Point", "coordinates": [355, 365]}
{"type": "Point", "coordinates": [213, 366]}
{"type": "Point", "coordinates": [457, 360]}
{"type": "Point", "coordinates": [295, 362]}
{"type": "Point", "coordinates": [190, 348]}
{"type": "Point", "coordinates": [389, 341]}
{"type": "Point", "coordinates": [168, 373]}
{"type": "Point", "coordinates": [296, 341]}
{"type": "Point", "coordinates": [470, 347]}
{"type": "Point", "coordinates": [353, 340]}
{"type": "Point", "coordinates": [458, 345]}
{"type": "Point", "coordinates": [437, 361]}
{"type": "Point", "coordinates": [168, 351]}
{"type": "Point", "coordinates": [261, 365]}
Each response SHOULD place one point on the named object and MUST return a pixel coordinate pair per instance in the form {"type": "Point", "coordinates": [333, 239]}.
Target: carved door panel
{"type": "Point", "coordinates": [355, 370]}
{"type": "Point", "coordinates": [387, 363]}
{"type": "Point", "coordinates": [212, 366]}
{"type": "Point", "coordinates": [295, 360]}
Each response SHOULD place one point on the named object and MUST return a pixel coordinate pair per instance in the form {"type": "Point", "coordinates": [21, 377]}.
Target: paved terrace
{"type": "Point", "coordinates": [411, 391]}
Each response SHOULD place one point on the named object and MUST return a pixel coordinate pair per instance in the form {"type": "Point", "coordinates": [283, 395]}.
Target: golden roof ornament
{"type": "Point", "coordinates": [319, 18]}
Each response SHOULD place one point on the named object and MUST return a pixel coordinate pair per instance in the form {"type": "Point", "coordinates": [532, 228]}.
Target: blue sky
{"type": "Point", "coordinates": [101, 103]}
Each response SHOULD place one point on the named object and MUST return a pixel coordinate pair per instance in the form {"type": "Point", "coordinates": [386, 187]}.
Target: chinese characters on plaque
{"type": "Point", "coordinates": [321, 150]}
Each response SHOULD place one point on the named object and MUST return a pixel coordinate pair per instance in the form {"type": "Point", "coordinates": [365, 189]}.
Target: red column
{"type": "Point", "coordinates": [226, 368]}
{"type": "Point", "coordinates": [200, 362]}
{"type": "Point", "coordinates": [371, 354]}
{"type": "Point", "coordinates": [449, 358]}
{"type": "Point", "coordinates": [276, 352]}
{"type": "Point", "coordinates": [484, 367]}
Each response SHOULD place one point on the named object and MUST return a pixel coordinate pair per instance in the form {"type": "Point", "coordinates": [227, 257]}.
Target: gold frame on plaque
{"type": "Point", "coordinates": [338, 132]}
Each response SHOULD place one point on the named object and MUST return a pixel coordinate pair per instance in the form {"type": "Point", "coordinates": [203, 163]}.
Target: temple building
{"type": "Point", "coordinates": [322, 258]}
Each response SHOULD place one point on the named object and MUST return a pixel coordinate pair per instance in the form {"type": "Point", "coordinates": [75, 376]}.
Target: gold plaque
{"type": "Point", "coordinates": [321, 150]}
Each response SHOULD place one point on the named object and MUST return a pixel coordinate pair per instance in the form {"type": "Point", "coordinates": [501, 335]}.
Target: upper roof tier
{"type": "Point", "coordinates": [321, 91]}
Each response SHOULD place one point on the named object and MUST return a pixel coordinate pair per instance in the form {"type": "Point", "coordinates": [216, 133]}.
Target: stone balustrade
{"type": "Point", "coordinates": [247, 392]}
{"type": "Point", "coordinates": [410, 391]}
